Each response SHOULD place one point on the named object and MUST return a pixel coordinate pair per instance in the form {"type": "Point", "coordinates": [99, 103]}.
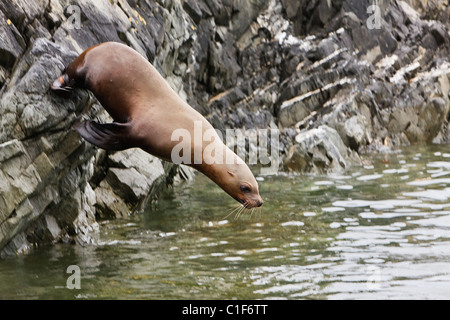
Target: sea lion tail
{"type": "Point", "coordinates": [110, 136]}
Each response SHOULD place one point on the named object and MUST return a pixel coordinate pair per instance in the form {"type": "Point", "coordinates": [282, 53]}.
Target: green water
{"type": "Point", "coordinates": [377, 232]}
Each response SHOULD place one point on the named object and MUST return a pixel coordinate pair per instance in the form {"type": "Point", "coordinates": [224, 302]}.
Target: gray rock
{"type": "Point", "coordinates": [292, 112]}
{"type": "Point", "coordinates": [193, 9]}
{"type": "Point", "coordinates": [320, 150]}
{"type": "Point", "coordinates": [10, 149]}
{"type": "Point", "coordinates": [136, 176]}
{"type": "Point", "coordinates": [440, 33]}
{"type": "Point", "coordinates": [431, 119]}
{"type": "Point", "coordinates": [11, 42]}
{"type": "Point", "coordinates": [149, 166]}
{"type": "Point", "coordinates": [108, 204]}
{"type": "Point", "coordinates": [355, 132]}
{"type": "Point", "coordinates": [291, 7]}
{"type": "Point", "coordinates": [128, 183]}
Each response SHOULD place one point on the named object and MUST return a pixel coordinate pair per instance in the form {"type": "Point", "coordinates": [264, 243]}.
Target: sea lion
{"type": "Point", "coordinates": [147, 112]}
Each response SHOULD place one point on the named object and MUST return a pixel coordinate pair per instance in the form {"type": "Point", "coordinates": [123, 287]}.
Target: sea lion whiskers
{"type": "Point", "coordinates": [232, 210]}
{"type": "Point", "coordinates": [240, 209]}
{"type": "Point", "coordinates": [251, 213]}
{"type": "Point", "coordinates": [238, 214]}
{"type": "Point", "coordinates": [257, 211]}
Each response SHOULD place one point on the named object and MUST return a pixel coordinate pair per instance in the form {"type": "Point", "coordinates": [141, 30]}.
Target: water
{"type": "Point", "coordinates": [377, 232]}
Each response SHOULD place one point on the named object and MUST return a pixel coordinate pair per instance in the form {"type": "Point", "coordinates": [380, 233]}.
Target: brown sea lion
{"type": "Point", "coordinates": [147, 113]}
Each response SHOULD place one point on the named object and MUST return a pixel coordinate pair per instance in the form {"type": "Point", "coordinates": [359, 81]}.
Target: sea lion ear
{"type": "Point", "coordinates": [230, 173]}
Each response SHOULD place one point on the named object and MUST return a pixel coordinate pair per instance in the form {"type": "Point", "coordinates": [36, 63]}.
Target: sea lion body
{"type": "Point", "coordinates": [146, 112]}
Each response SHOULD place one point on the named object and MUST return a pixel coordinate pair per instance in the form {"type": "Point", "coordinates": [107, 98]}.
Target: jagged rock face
{"type": "Point", "coordinates": [320, 150]}
{"type": "Point", "coordinates": [336, 77]}
{"type": "Point", "coordinates": [55, 186]}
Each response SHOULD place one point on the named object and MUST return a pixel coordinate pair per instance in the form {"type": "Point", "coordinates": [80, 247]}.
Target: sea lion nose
{"type": "Point", "coordinates": [260, 203]}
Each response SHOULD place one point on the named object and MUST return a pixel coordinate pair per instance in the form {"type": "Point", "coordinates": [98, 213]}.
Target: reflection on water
{"type": "Point", "coordinates": [381, 232]}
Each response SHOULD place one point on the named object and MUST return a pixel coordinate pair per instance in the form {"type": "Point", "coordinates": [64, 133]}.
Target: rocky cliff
{"type": "Point", "coordinates": [337, 78]}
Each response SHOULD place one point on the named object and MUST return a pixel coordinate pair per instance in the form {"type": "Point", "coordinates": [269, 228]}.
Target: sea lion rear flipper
{"type": "Point", "coordinates": [110, 136]}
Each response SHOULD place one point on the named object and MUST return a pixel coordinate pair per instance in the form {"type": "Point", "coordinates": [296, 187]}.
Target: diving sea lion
{"type": "Point", "coordinates": [147, 112]}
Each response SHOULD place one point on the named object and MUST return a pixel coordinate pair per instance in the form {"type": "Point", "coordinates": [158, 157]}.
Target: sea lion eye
{"type": "Point", "coordinates": [245, 188]}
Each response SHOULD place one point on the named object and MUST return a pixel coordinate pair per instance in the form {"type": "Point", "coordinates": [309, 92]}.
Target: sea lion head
{"type": "Point", "coordinates": [239, 182]}
{"type": "Point", "coordinates": [233, 175]}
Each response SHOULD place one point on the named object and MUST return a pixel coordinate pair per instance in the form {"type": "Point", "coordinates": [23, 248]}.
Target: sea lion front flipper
{"type": "Point", "coordinates": [110, 136]}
